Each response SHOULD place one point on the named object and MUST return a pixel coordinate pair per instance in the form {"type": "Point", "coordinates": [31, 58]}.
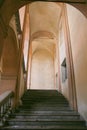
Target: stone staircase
{"type": "Point", "coordinates": [44, 110]}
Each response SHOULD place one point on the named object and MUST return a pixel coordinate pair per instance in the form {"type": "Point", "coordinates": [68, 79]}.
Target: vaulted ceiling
{"type": "Point", "coordinates": [44, 25]}
{"type": "Point", "coordinates": [44, 16]}
{"type": "Point", "coordinates": [9, 7]}
{"type": "Point", "coordinates": [44, 22]}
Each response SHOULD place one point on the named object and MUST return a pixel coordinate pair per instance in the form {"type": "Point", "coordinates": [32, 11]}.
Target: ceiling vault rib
{"type": "Point", "coordinates": [42, 33]}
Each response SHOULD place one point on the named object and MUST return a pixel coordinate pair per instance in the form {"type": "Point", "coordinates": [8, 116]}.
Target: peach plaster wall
{"type": "Point", "coordinates": [78, 35]}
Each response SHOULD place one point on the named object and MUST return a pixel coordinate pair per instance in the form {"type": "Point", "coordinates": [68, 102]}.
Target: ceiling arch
{"type": "Point", "coordinates": [46, 44]}
{"type": "Point", "coordinates": [44, 17]}
{"type": "Point", "coordinates": [42, 33]}
{"type": "Point", "coordinates": [44, 50]}
{"type": "Point", "coordinates": [9, 7]}
{"type": "Point", "coordinates": [44, 25]}
{"type": "Point", "coordinates": [14, 5]}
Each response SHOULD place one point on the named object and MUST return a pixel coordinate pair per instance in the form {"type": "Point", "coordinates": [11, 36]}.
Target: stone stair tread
{"type": "Point", "coordinates": [46, 115]}
{"type": "Point", "coordinates": [43, 106]}
{"type": "Point", "coordinates": [48, 123]}
{"type": "Point", "coordinates": [43, 98]}
{"type": "Point", "coordinates": [46, 105]}
{"type": "Point", "coordinates": [44, 110]}
{"type": "Point", "coordinates": [44, 102]}
{"type": "Point", "coordinates": [30, 127]}
{"type": "Point", "coordinates": [46, 119]}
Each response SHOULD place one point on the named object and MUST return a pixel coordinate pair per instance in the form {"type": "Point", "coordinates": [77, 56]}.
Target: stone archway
{"type": "Point", "coordinates": [9, 7]}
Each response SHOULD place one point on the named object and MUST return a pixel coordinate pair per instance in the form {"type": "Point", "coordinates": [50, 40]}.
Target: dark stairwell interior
{"type": "Point", "coordinates": [44, 110]}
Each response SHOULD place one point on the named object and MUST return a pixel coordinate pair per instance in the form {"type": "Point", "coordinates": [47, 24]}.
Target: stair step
{"type": "Point", "coordinates": [44, 110]}
{"type": "Point", "coordinates": [45, 105]}
{"type": "Point", "coordinates": [42, 92]}
{"type": "Point", "coordinates": [43, 96]}
{"type": "Point", "coordinates": [60, 110]}
{"type": "Point", "coordinates": [46, 113]}
{"type": "Point", "coordinates": [47, 122]}
{"type": "Point", "coordinates": [38, 96]}
{"type": "Point", "coordinates": [44, 102]}
{"type": "Point", "coordinates": [46, 117]}
{"type": "Point", "coordinates": [27, 99]}
{"type": "Point", "coordinates": [30, 127]}
{"type": "Point", "coordinates": [47, 100]}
